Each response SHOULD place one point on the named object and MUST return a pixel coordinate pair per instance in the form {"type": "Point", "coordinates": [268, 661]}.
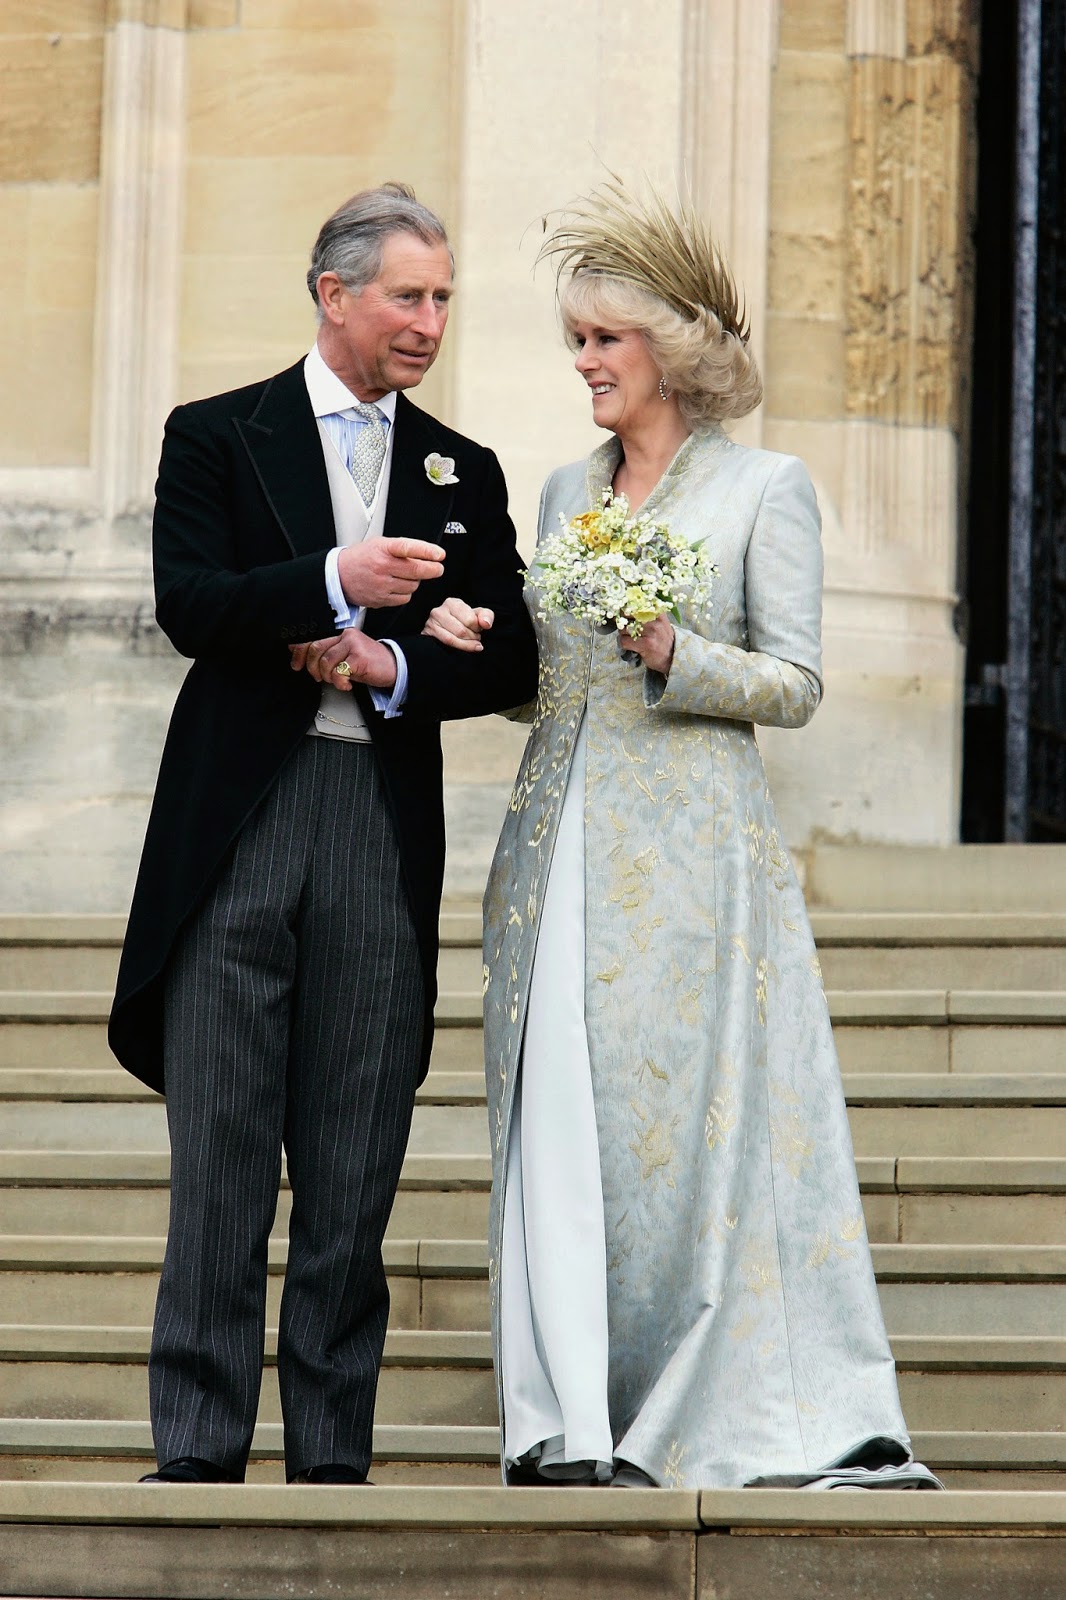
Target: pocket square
{"type": "Point", "coordinates": [453, 527]}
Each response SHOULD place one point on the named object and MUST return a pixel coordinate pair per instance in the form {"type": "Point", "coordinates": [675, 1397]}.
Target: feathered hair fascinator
{"type": "Point", "coordinates": [669, 252]}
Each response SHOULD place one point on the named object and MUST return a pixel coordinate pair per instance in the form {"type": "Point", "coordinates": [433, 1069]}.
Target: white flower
{"type": "Point", "coordinates": [611, 570]}
{"type": "Point", "coordinates": [440, 470]}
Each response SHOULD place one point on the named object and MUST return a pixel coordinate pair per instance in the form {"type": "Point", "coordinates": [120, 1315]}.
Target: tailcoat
{"type": "Point", "coordinates": [745, 1333]}
{"type": "Point", "coordinates": [243, 521]}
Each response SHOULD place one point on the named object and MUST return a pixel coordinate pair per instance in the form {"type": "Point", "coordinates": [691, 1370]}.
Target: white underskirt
{"type": "Point", "coordinates": [553, 1274]}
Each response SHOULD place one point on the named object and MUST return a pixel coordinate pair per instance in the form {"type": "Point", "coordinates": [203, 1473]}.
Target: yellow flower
{"type": "Point", "coordinates": [638, 607]}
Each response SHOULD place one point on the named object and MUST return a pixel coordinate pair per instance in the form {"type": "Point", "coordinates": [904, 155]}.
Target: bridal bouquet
{"type": "Point", "coordinates": [619, 571]}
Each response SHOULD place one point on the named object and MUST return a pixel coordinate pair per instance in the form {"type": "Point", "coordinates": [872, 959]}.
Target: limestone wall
{"type": "Point", "coordinates": [164, 166]}
{"type": "Point", "coordinates": [289, 110]}
{"type": "Point", "coordinates": [51, 88]}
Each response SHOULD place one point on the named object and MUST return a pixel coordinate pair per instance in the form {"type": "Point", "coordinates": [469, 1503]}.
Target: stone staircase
{"type": "Point", "coordinates": [947, 979]}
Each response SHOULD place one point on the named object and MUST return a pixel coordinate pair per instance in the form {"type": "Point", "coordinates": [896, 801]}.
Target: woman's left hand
{"type": "Point", "coordinates": [655, 645]}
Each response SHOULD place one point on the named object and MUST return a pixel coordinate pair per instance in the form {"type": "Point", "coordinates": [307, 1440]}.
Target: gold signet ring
{"type": "Point", "coordinates": [343, 670]}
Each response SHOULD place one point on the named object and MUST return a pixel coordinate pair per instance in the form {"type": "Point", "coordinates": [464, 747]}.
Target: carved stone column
{"type": "Point", "coordinates": [140, 238]}
{"type": "Point", "coordinates": [87, 678]}
{"type": "Point", "coordinates": [875, 294]}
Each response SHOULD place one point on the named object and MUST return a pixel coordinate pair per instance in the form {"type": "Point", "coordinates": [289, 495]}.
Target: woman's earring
{"type": "Point", "coordinates": [664, 393]}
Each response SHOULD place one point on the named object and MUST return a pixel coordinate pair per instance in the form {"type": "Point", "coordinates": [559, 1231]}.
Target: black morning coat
{"type": "Point", "coordinates": [242, 523]}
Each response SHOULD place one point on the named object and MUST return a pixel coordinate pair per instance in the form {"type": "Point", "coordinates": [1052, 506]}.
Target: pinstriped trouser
{"type": "Point", "coordinates": [293, 1017]}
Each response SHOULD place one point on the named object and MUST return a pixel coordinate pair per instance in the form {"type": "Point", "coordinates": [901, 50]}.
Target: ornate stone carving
{"type": "Point", "coordinates": [907, 265]}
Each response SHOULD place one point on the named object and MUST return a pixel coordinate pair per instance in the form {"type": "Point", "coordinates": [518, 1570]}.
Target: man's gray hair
{"type": "Point", "coordinates": [350, 242]}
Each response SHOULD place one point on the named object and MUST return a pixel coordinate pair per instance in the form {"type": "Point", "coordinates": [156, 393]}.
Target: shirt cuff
{"type": "Point", "coordinates": [344, 615]}
{"type": "Point", "coordinates": [391, 702]}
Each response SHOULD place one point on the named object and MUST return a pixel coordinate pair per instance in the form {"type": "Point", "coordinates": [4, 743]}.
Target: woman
{"type": "Point", "coordinates": [682, 1287]}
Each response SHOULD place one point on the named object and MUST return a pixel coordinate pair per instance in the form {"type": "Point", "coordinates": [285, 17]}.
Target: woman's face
{"type": "Point", "coordinates": [622, 374]}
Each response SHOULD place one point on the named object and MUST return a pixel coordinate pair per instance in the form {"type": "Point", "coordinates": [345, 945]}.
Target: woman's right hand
{"type": "Point", "coordinates": [455, 623]}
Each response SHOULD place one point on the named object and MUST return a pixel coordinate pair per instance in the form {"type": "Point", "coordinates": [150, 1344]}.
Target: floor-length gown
{"type": "Point", "coordinates": [679, 1268]}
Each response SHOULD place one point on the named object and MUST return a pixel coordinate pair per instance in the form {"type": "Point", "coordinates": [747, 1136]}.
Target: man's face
{"type": "Point", "coordinates": [387, 336]}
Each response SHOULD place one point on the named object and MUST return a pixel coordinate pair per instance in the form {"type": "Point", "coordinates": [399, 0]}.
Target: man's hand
{"type": "Point", "coordinates": [455, 623]}
{"type": "Point", "coordinates": [368, 660]}
{"type": "Point", "coordinates": [386, 572]}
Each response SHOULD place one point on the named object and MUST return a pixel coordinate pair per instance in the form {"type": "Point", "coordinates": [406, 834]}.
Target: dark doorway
{"type": "Point", "coordinates": [1014, 561]}
{"type": "Point", "coordinates": [984, 578]}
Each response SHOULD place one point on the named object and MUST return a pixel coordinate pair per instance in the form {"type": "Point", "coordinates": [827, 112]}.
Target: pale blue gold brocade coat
{"type": "Point", "coordinates": [746, 1336]}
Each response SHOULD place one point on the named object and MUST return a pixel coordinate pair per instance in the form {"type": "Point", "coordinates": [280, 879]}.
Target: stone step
{"type": "Point", "coordinates": [461, 924]}
{"type": "Point", "coordinates": [926, 1031]}
{"type": "Point", "coordinates": [48, 1046]}
{"type": "Point", "coordinates": [970, 878]}
{"type": "Point", "coordinates": [868, 1007]}
{"type": "Point", "coordinates": [437, 1378]}
{"type": "Point", "coordinates": [95, 1450]}
{"type": "Point", "coordinates": [960, 966]}
{"type": "Point", "coordinates": [868, 1044]}
{"type": "Point", "coordinates": [77, 956]}
{"type": "Point", "coordinates": [92, 1450]}
{"type": "Point", "coordinates": [59, 1086]}
{"type": "Point", "coordinates": [94, 966]}
{"type": "Point", "coordinates": [445, 1129]}
{"type": "Point", "coordinates": [893, 1115]}
{"type": "Point", "coordinates": [441, 1284]}
{"type": "Point", "coordinates": [1023, 963]}
{"type": "Point", "coordinates": [953, 950]}
{"type": "Point", "coordinates": [105, 1193]}
{"type": "Point", "coordinates": [272, 1541]}
{"type": "Point", "coordinates": [446, 1379]}
{"type": "Point", "coordinates": [112, 1085]}
{"type": "Point", "coordinates": [915, 1200]}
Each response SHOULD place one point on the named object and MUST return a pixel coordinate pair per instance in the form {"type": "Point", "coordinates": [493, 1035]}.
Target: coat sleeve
{"type": "Point", "coordinates": [777, 680]}
{"type": "Point", "coordinates": [444, 683]}
{"type": "Point", "coordinates": [528, 709]}
{"type": "Point", "coordinates": [205, 603]}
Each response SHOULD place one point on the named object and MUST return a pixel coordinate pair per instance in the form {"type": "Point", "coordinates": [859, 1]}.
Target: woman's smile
{"type": "Point", "coordinates": [620, 371]}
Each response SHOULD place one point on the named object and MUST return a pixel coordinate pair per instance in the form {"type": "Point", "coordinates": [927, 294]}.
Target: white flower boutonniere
{"type": "Point", "coordinates": [440, 470]}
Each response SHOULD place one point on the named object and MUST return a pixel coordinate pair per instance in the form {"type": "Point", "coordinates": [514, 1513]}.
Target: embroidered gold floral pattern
{"type": "Point", "coordinates": [721, 1120]}
{"type": "Point", "coordinates": [725, 1157]}
{"type": "Point", "coordinates": [674, 1465]}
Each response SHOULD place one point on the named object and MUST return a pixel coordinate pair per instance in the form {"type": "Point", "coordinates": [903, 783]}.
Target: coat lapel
{"type": "Point", "coordinates": [416, 507]}
{"type": "Point", "coordinates": [285, 447]}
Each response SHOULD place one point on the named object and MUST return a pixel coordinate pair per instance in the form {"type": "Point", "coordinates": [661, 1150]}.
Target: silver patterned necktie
{"type": "Point", "coordinates": [368, 452]}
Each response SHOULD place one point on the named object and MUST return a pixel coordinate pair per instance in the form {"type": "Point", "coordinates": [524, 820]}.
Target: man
{"type": "Point", "coordinates": [278, 975]}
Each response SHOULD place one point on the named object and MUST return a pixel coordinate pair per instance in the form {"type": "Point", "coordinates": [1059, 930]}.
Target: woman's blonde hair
{"type": "Point", "coordinates": [708, 367]}
{"type": "Point", "coordinates": [638, 262]}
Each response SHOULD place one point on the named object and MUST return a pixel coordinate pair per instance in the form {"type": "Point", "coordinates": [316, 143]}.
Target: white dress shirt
{"type": "Point", "coordinates": [332, 403]}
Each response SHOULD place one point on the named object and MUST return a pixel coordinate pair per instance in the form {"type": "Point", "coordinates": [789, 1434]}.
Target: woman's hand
{"type": "Point", "coordinates": [655, 645]}
{"type": "Point", "coordinates": [455, 623]}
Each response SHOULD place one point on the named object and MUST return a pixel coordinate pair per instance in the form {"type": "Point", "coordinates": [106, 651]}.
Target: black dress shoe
{"type": "Point", "coordinates": [189, 1469]}
{"type": "Point", "coordinates": [330, 1472]}
{"type": "Point", "coordinates": [524, 1475]}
